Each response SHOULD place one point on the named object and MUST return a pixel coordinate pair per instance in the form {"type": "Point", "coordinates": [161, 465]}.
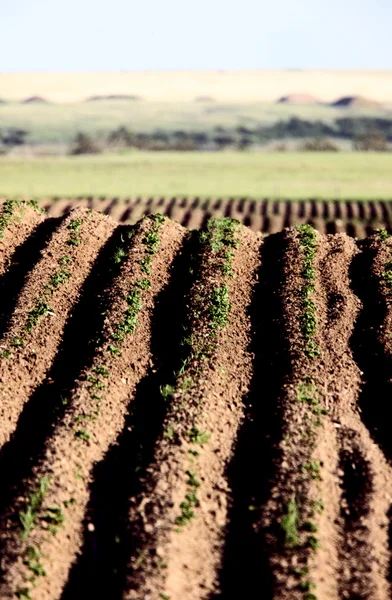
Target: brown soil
{"type": "Point", "coordinates": [69, 479]}
{"type": "Point", "coordinates": [27, 352]}
{"type": "Point", "coordinates": [197, 445]}
{"type": "Point", "coordinates": [192, 552]}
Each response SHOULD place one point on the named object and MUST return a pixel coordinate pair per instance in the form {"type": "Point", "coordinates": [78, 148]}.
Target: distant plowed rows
{"type": "Point", "coordinates": [193, 414]}
{"type": "Point", "coordinates": [357, 219]}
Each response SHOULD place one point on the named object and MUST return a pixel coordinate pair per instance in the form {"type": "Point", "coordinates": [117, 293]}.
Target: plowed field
{"type": "Point", "coordinates": [357, 219]}
{"type": "Point", "coordinates": [193, 414]}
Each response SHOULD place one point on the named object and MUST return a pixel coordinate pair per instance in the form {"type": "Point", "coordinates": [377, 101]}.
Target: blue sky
{"type": "Point", "coordinates": [96, 35]}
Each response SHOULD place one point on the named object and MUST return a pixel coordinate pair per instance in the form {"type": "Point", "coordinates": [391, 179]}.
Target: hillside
{"type": "Point", "coordinates": [185, 86]}
{"type": "Point", "coordinates": [192, 415]}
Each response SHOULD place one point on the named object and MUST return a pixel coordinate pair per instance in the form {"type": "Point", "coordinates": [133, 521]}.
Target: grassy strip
{"type": "Point", "coordinates": [211, 306]}
{"type": "Point", "coordinates": [97, 378]}
{"type": "Point", "coordinates": [298, 524]}
{"type": "Point", "coordinates": [13, 210]}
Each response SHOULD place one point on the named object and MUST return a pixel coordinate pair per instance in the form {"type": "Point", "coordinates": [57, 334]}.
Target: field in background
{"type": "Point", "coordinates": [256, 175]}
{"type": "Point", "coordinates": [185, 86]}
{"type": "Point", "coordinates": [59, 123]}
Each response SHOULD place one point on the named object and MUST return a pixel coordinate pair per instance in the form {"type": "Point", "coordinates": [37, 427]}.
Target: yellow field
{"type": "Point", "coordinates": [184, 86]}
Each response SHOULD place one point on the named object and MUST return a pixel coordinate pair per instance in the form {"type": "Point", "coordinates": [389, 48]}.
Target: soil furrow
{"type": "Point", "coordinates": [372, 350]}
{"type": "Point", "coordinates": [23, 259]}
{"type": "Point", "coordinates": [46, 405]}
{"type": "Point", "coordinates": [178, 522]}
{"type": "Point", "coordinates": [43, 306]}
{"type": "Point", "coordinates": [101, 569]}
{"type": "Point", "coordinates": [245, 569]}
{"type": "Point", "coordinates": [368, 571]}
{"type": "Point", "coordinates": [292, 515]}
{"type": "Point", "coordinates": [301, 515]}
{"type": "Point", "coordinates": [40, 549]}
{"type": "Point", "coordinates": [357, 487]}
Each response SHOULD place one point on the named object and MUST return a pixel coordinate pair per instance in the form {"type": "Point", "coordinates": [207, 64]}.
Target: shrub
{"type": "Point", "coordinates": [319, 145]}
{"type": "Point", "coordinates": [122, 137]}
{"type": "Point", "coordinates": [374, 141]}
{"type": "Point", "coordinates": [84, 144]}
{"type": "Point", "coordinates": [244, 143]}
{"type": "Point", "coordinates": [13, 137]}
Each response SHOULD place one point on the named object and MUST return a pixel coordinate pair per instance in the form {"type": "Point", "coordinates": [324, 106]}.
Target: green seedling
{"type": "Point", "coordinates": [101, 370]}
{"type": "Point", "coordinates": [289, 523]}
{"type": "Point", "coordinates": [42, 309]}
{"type": "Point", "coordinates": [23, 593]}
{"type": "Point", "coordinates": [382, 234]}
{"type": "Point", "coordinates": [82, 434]}
{"type": "Point", "coordinates": [310, 526]}
{"type": "Point", "coordinates": [313, 542]}
{"type": "Point", "coordinates": [28, 517]}
{"type": "Point", "coordinates": [167, 390]}
{"type": "Point", "coordinates": [219, 307]}
{"type": "Point", "coordinates": [313, 468]}
{"type": "Point", "coordinates": [195, 436]}
{"type": "Point", "coordinates": [143, 284]}
{"type": "Point", "coordinates": [114, 351]}
{"type": "Point", "coordinates": [119, 256]}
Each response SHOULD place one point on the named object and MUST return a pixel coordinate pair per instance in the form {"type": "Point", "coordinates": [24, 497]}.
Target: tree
{"type": "Point", "coordinates": [223, 141]}
{"type": "Point", "coordinates": [84, 144]}
{"type": "Point", "coordinates": [122, 137]}
{"type": "Point", "coordinates": [13, 137]}
{"type": "Point", "coordinates": [244, 143]}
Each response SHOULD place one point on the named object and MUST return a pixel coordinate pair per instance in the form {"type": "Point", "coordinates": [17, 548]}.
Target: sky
{"type": "Point", "coordinates": [116, 35]}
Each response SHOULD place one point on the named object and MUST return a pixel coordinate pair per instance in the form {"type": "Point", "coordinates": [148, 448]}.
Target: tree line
{"type": "Point", "coordinates": [366, 133]}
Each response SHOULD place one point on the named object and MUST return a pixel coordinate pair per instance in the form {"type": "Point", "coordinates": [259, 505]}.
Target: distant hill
{"type": "Point", "coordinates": [35, 100]}
{"type": "Point", "coordinates": [298, 99]}
{"type": "Point", "coordinates": [111, 97]}
{"type": "Point", "coordinates": [356, 102]}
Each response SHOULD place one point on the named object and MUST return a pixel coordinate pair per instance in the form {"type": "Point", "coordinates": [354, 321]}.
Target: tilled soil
{"type": "Point", "coordinates": [193, 414]}
{"type": "Point", "coordinates": [357, 219]}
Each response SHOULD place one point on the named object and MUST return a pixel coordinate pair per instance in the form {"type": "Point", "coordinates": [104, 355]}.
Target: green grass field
{"type": "Point", "coordinates": [257, 175]}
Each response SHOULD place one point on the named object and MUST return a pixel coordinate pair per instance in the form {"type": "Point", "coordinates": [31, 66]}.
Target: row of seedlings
{"type": "Point", "coordinates": [292, 515]}
{"type": "Point", "coordinates": [177, 521]}
{"type": "Point", "coordinates": [18, 219]}
{"type": "Point", "coordinates": [43, 528]}
{"type": "Point", "coordinates": [51, 291]}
